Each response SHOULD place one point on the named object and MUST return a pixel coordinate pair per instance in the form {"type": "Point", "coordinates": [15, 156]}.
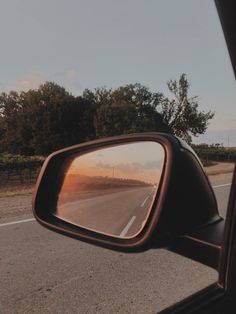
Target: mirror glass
{"type": "Point", "coordinates": [111, 190]}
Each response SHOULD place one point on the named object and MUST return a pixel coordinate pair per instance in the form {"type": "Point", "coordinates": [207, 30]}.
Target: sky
{"type": "Point", "coordinates": [139, 161]}
{"type": "Point", "coordinates": [88, 44]}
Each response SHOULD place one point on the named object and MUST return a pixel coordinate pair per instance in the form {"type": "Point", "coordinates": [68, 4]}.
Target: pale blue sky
{"type": "Point", "coordinates": [87, 44]}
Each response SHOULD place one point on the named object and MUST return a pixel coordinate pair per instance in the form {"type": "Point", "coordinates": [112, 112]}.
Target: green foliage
{"type": "Point", "coordinates": [181, 113]}
{"type": "Point", "coordinates": [213, 153]}
{"type": "Point", "coordinates": [127, 109]}
{"type": "Point", "coordinates": [40, 121]}
{"type": "Point", "coordinates": [43, 120]}
{"type": "Point", "coordinates": [9, 162]}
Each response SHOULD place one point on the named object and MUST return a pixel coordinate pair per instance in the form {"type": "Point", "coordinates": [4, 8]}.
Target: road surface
{"type": "Point", "coordinates": [117, 213]}
{"type": "Point", "coordinates": [44, 272]}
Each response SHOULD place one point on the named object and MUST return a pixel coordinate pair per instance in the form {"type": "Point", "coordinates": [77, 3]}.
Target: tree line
{"type": "Point", "coordinates": [40, 121]}
{"type": "Point", "coordinates": [214, 153]}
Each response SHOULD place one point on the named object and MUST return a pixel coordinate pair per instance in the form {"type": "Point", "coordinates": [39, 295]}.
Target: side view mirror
{"type": "Point", "coordinates": [128, 193]}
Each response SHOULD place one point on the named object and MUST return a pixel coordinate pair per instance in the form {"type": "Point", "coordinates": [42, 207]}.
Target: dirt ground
{"type": "Point", "coordinates": [220, 168]}
{"type": "Point", "coordinates": [15, 184]}
{"type": "Point", "coordinates": [221, 173]}
{"type": "Point", "coordinates": [16, 197]}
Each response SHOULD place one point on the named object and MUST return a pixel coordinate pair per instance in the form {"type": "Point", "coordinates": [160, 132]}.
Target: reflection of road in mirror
{"type": "Point", "coordinates": [118, 213]}
{"type": "Point", "coordinates": [112, 190]}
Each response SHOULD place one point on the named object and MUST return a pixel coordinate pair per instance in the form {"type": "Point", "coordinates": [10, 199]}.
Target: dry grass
{"type": "Point", "coordinates": [17, 185]}
{"type": "Point", "coordinates": [220, 168]}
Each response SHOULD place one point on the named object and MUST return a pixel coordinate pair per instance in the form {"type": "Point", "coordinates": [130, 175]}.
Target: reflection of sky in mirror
{"type": "Point", "coordinates": [139, 161]}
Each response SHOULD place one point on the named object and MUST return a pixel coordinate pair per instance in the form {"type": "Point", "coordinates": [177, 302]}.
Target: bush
{"type": "Point", "coordinates": [9, 162]}
{"type": "Point", "coordinates": [207, 153]}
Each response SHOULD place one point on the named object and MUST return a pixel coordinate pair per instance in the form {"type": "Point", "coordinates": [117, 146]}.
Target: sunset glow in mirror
{"type": "Point", "coordinates": [111, 190]}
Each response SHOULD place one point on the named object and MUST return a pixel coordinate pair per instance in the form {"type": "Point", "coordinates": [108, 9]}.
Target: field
{"type": "Point", "coordinates": [210, 153]}
{"type": "Point", "coordinates": [18, 173]}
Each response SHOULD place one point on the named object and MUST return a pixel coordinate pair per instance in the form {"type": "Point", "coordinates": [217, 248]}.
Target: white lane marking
{"type": "Point", "coordinates": [126, 229]}
{"type": "Point", "coordinates": [17, 222]}
{"type": "Point", "coordinates": [221, 185]}
{"type": "Point", "coordinates": [144, 201]}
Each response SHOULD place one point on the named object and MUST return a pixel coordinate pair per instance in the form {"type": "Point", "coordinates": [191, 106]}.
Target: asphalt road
{"type": "Point", "coordinates": [43, 272]}
{"type": "Point", "coordinates": [117, 213]}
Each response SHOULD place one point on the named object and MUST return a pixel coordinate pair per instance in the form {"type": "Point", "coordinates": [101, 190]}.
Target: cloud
{"type": "Point", "coordinates": [70, 74]}
{"type": "Point", "coordinates": [32, 81]}
{"type": "Point", "coordinates": [133, 167]}
{"type": "Point", "coordinates": [101, 165]}
{"type": "Point", "coordinates": [139, 167]}
{"type": "Point", "coordinates": [149, 165]}
{"type": "Point", "coordinates": [26, 84]}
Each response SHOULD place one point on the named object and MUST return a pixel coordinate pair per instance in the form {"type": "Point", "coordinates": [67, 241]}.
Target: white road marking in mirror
{"type": "Point", "coordinates": [144, 201]}
{"type": "Point", "coordinates": [126, 229]}
{"type": "Point", "coordinates": [221, 185]}
{"type": "Point", "coordinates": [17, 222]}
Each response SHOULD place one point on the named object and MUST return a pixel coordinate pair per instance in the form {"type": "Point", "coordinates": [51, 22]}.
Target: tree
{"type": "Point", "coordinates": [60, 119]}
{"type": "Point", "coordinates": [43, 120]}
{"type": "Point", "coordinates": [127, 109]}
{"type": "Point", "coordinates": [9, 107]}
{"type": "Point", "coordinates": [182, 113]}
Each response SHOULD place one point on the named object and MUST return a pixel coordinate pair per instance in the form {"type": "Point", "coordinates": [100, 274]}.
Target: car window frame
{"type": "Point", "coordinates": [220, 295]}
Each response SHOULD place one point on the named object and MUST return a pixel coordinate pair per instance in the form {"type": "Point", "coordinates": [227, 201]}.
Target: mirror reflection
{"type": "Point", "coordinates": [111, 190]}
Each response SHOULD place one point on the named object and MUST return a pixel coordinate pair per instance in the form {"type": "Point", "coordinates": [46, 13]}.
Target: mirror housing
{"type": "Point", "coordinates": [184, 201]}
